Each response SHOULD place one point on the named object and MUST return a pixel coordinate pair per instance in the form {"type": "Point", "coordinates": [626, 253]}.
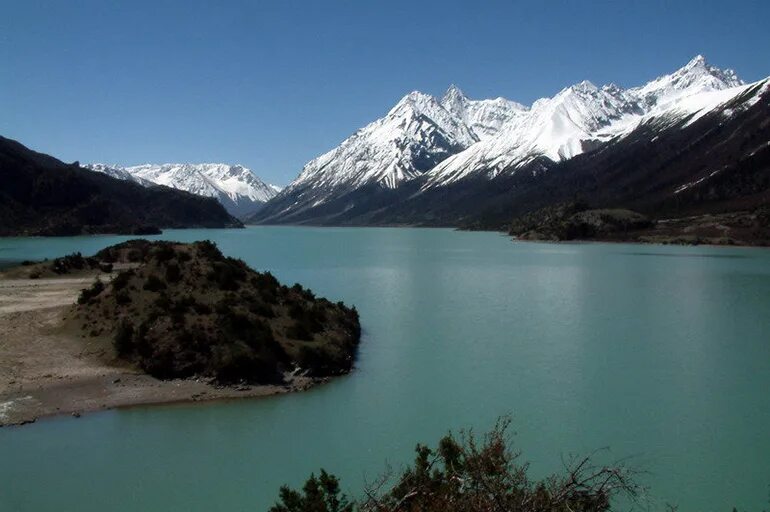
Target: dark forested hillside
{"type": "Point", "coordinates": [40, 195]}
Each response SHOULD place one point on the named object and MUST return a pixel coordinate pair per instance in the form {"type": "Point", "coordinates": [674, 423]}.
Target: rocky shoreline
{"type": "Point", "coordinates": [75, 397]}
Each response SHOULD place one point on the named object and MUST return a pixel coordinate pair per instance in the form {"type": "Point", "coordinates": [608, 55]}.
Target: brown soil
{"type": "Point", "coordinates": [48, 368]}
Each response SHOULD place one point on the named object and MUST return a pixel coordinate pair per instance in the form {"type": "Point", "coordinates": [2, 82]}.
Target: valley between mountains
{"type": "Point", "coordinates": [688, 152]}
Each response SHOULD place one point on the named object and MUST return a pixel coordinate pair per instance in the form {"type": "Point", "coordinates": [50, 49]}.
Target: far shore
{"type": "Point", "coordinates": [47, 370]}
{"type": "Point", "coordinates": [675, 231]}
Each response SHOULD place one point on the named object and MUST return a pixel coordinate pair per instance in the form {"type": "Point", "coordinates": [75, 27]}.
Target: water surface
{"type": "Point", "coordinates": [660, 353]}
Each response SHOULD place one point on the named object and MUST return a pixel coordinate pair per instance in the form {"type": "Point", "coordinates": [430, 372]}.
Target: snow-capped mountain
{"type": "Point", "coordinates": [419, 132]}
{"type": "Point", "coordinates": [580, 116]}
{"type": "Point", "coordinates": [694, 78]}
{"type": "Point", "coordinates": [425, 144]}
{"type": "Point", "coordinates": [119, 173]}
{"type": "Point", "coordinates": [239, 190]}
{"type": "Point", "coordinates": [484, 118]}
{"type": "Point", "coordinates": [554, 127]}
{"type": "Point", "coordinates": [413, 137]}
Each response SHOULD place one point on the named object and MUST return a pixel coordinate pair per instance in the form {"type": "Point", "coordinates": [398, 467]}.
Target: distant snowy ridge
{"type": "Point", "coordinates": [418, 133]}
{"type": "Point", "coordinates": [239, 190]}
{"type": "Point", "coordinates": [445, 140]}
{"type": "Point", "coordinates": [581, 115]}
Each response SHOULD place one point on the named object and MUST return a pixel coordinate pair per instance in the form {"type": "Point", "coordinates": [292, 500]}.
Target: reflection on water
{"type": "Point", "coordinates": [587, 346]}
{"type": "Point", "coordinates": [686, 255]}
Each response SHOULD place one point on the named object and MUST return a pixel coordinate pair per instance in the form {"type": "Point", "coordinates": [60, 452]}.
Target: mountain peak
{"type": "Point", "coordinates": [239, 190]}
{"type": "Point", "coordinates": [454, 101]}
{"type": "Point", "coordinates": [695, 77]}
{"type": "Point", "coordinates": [699, 69]}
{"type": "Point", "coordinates": [453, 93]}
{"type": "Point", "coordinates": [415, 101]}
{"type": "Point", "coordinates": [580, 88]}
{"type": "Point", "coordinates": [698, 60]}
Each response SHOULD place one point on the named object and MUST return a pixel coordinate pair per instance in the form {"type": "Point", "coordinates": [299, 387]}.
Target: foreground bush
{"type": "Point", "coordinates": [467, 474]}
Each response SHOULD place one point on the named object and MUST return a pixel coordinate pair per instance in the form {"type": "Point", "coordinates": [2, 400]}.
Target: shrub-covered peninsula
{"type": "Point", "coordinates": [149, 322]}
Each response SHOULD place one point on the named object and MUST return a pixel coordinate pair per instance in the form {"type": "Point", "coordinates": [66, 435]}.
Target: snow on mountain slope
{"type": "Point", "coordinates": [554, 127]}
{"type": "Point", "coordinates": [483, 117]}
{"type": "Point", "coordinates": [696, 77]}
{"type": "Point", "coordinates": [235, 186]}
{"type": "Point", "coordinates": [582, 115]}
{"type": "Point", "coordinates": [119, 173]}
{"type": "Point", "coordinates": [414, 136]}
{"type": "Point", "coordinates": [419, 132]}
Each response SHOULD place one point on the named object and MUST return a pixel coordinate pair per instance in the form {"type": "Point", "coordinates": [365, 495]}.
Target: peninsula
{"type": "Point", "coordinates": [155, 322]}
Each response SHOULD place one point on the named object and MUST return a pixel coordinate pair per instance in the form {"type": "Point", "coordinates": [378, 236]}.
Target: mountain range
{"type": "Point", "coordinates": [239, 190]}
{"type": "Point", "coordinates": [690, 141]}
{"type": "Point", "coordinates": [40, 195]}
{"type": "Point", "coordinates": [693, 142]}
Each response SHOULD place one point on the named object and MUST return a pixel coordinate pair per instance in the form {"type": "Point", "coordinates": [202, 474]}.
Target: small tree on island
{"type": "Point", "coordinates": [468, 474]}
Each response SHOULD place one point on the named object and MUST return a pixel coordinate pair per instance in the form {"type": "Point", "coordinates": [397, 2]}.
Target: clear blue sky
{"type": "Point", "coordinates": [273, 84]}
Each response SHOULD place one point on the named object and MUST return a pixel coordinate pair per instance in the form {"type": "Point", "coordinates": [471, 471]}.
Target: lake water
{"type": "Point", "coordinates": [659, 353]}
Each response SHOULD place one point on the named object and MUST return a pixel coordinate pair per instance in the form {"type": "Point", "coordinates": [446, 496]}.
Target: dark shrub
{"type": "Point", "coordinates": [265, 280]}
{"type": "Point", "coordinates": [135, 255]}
{"type": "Point", "coordinates": [318, 361]}
{"type": "Point", "coordinates": [64, 265]}
{"type": "Point", "coordinates": [299, 331]}
{"type": "Point", "coordinates": [269, 295]}
{"type": "Point", "coordinates": [183, 304]}
{"type": "Point", "coordinates": [322, 494]}
{"type": "Point", "coordinates": [209, 250]}
{"type": "Point", "coordinates": [122, 279]}
{"type": "Point", "coordinates": [296, 310]}
{"type": "Point", "coordinates": [227, 274]}
{"type": "Point", "coordinates": [88, 294]}
{"type": "Point", "coordinates": [173, 274]}
{"type": "Point", "coordinates": [107, 255]}
{"type": "Point", "coordinates": [473, 474]}
{"type": "Point", "coordinates": [162, 304]}
{"type": "Point", "coordinates": [154, 284]}
{"type": "Point", "coordinates": [237, 363]}
{"type": "Point", "coordinates": [163, 252]}
{"type": "Point", "coordinates": [261, 309]}
{"type": "Point", "coordinates": [201, 309]}
{"type": "Point", "coordinates": [124, 339]}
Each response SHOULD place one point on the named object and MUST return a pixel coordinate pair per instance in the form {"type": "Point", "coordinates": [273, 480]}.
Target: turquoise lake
{"type": "Point", "coordinates": [660, 353]}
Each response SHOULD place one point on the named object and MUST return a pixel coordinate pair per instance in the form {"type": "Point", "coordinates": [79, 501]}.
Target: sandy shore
{"type": "Point", "coordinates": [47, 368]}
